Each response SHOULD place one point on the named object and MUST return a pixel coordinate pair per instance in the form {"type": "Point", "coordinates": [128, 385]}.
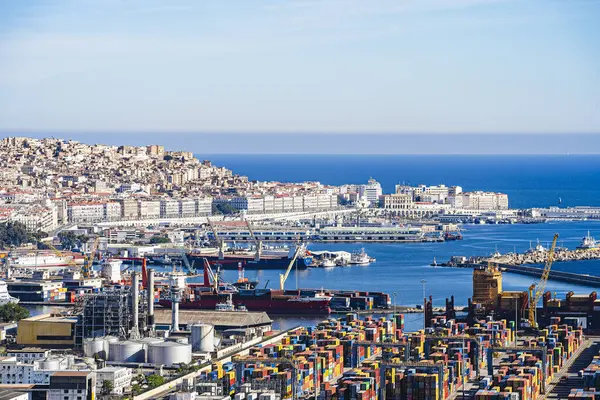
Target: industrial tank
{"type": "Point", "coordinates": [95, 347]}
{"type": "Point", "coordinates": [203, 337]}
{"type": "Point", "coordinates": [127, 351]}
{"type": "Point", "coordinates": [169, 353]}
{"type": "Point", "coordinates": [52, 364]}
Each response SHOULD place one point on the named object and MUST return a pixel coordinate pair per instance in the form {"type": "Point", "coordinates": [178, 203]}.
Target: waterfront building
{"type": "Point", "coordinates": [129, 208]}
{"type": "Point", "coordinates": [149, 209]}
{"type": "Point", "coordinates": [169, 208]}
{"type": "Point", "coordinates": [397, 202]}
{"type": "Point", "coordinates": [371, 191]}
{"type": "Point", "coordinates": [187, 208]}
{"type": "Point", "coordinates": [85, 212]}
{"type": "Point", "coordinates": [204, 206]}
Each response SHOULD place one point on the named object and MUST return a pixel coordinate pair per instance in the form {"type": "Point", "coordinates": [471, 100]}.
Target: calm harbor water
{"type": "Point", "coordinates": [401, 267]}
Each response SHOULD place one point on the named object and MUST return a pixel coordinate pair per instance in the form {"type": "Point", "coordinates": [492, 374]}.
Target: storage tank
{"type": "Point", "coordinates": [169, 353]}
{"type": "Point", "coordinates": [127, 351]}
{"type": "Point", "coordinates": [52, 364]}
{"type": "Point", "coordinates": [111, 270]}
{"type": "Point", "coordinates": [95, 347]}
{"type": "Point", "coordinates": [203, 337]}
{"type": "Point", "coordinates": [107, 341]}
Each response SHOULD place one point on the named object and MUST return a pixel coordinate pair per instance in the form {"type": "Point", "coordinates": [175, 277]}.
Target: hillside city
{"type": "Point", "coordinates": [49, 182]}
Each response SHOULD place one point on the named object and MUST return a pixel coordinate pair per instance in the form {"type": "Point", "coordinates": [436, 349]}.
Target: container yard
{"type": "Point", "coordinates": [374, 358]}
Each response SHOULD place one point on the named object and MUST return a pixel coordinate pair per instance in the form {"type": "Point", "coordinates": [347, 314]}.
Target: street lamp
{"type": "Point", "coordinates": [423, 282]}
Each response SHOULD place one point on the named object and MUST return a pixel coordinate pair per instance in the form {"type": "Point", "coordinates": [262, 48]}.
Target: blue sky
{"type": "Point", "coordinates": [290, 66]}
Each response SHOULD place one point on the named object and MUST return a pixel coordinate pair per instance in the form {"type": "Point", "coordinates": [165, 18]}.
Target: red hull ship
{"type": "Point", "coordinates": [271, 301]}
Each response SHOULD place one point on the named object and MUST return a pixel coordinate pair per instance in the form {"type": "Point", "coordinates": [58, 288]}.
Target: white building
{"type": "Point", "coordinates": [119, 376]}
{"type": "Point", "coordinates": [371, 191]}
{"type": "Point", "coordinates": [204, 206]}
{"type": "Point", "coordinates": [28, 355]}
{"type": "Point", "coordinates": [169, 208]}
{"type": "Point", "coordinates": [112, 211]}
{"type": "Point", "coordinates": [85, 212]}
{"type": "Point", "coordinates": [187, 208]}
{"type": "Point", "coordinates": [129, 209]}
{"type": "Point", "coordinates": [36, 218]}
{"type": "Point", "coordinates": [480, 201]}
{"type": "Point", "coordinates": [149, 209]}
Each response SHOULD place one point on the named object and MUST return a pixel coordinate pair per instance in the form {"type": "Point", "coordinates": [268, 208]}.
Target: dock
{"type": "Point", "coordinates": [560, 276]}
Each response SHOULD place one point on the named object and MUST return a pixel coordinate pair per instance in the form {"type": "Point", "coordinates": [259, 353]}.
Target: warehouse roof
{"type": "Point", "coordinates": [220, 319]}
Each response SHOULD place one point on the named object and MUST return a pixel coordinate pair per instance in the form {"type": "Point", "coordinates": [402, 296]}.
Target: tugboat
{"type": "Point", "coordinates": [588, 243]}
{"type": "Point", "coordinates": [360, 258]}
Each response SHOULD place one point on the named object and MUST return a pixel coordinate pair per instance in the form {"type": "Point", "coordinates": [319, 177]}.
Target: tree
{"type": "Point", "coordinates": [157, 239]}
{"type": "Point", "coordinates": [224, 208]}
{"type": "Point", "coordinates": [13, 312]}
{"type": "Point", "coordinates": [69, 240]}
{"type": "Point", "coordinates": [107, 386]}
{"type": "Point", "coordinates": [13, 234]}
{"type": "Point", "coordinates": [155, 380]}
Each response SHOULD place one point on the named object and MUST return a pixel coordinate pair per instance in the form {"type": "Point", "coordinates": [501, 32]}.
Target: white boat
{"type": "Point", "coordinates": [588, 243]}
{"type": "Point", "coordinates": [6, 298]}
{"type": "Point", "coordinates": [327, 263]}
{"type": "Point", "coordinates": [360, 258]}
{"type": "Point", "coordinates": [42, 260]}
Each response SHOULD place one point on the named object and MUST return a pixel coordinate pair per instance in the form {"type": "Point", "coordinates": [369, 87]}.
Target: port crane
{"type": "Point", "coordinates": [256, 241]}
{"type": "Point", "coordinates": [219, 241]}
{"type": "Point", "coordinates": [536, 291]}
{"type": "Point", "coordinates": [283, 277]}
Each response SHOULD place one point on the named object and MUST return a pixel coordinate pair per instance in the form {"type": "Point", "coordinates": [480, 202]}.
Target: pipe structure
{"type": "Point", "coordinates": [150, 291]}
{"type": "Point", "coordinates": [135, 293]}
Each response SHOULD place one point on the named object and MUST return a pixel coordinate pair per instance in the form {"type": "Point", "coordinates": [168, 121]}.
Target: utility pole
{"type": "Point", "coordinates": [423, 282]}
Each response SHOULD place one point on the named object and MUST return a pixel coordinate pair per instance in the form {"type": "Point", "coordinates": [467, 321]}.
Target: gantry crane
{"type": "Point", "coordinates": [283, 277]}
{"type": "Point", "coordinates": [257, 242]}
{"type": "Point", "coordinates": [536, 291]}
{"type": "Point", "coordinates": [71, 261]}
{"type": "Point", "coordinates": [220, 243]}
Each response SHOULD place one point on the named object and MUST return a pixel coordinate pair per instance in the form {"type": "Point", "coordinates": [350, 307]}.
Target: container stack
{"type": "Point", "coordinates": [581, 394]}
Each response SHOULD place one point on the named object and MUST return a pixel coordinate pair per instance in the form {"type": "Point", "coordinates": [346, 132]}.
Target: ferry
{"type": "Point", "coordinates": [6, 298]}
{"type": "Point", "coordinates": [588, 243]}
{"type": "Point", "coordinates": [43, 260]}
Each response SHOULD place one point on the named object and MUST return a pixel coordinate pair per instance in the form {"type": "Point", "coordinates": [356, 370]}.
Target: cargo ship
{"type": "Point", "coordinates": [250, 260]}
{"type": "Point", "coordinates": [208, 295]}
{"type": "Point", "coordinates": [269, 300]}
{"type": "Point", "coordinates": [37, 260]}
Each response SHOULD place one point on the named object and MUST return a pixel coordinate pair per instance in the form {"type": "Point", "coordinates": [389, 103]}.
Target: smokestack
{"type": "Point", "coordinates": [151, 299]}
{"type": "Point", "coordinates": [135, 292]}
{"type": "Point", "coordinates": [174, 316]}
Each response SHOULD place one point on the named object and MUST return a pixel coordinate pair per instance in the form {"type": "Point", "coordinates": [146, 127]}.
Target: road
{"type": "Point", "coordinates": [560, 389]}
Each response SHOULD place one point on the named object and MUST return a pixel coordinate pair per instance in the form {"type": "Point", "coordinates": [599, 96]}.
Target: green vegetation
{"type": "Point", "coordinates": [224, 209]}
{"type": "Point", "coordinates": [13, 312]}
{"type": "Point", "coordinates": [155, 381]}
{"type": "Point", "coordinates": [69, 240]}
{"type": "Point", "coordinates": [107, 386]}
{"type": "Point", "coordinates": [158, 239]}
{"type": "Point", "coordinates": [15, 234]}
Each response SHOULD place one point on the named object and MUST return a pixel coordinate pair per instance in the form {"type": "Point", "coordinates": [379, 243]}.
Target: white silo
{"type": "Point", "coordinates": [203, 337]}
{"type": "Point", "coordinates": [111, 270]}
{"type": "Point", "coordinates": [95, 347]}
{"type": "Point", "coordinates": [127, 351]}
{"type": "Point", "coordinates": [169, 353]}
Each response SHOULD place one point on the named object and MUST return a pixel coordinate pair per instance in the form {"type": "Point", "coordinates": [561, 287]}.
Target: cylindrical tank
{"type": "Point", "coordinates": [178, 339]}
{"type": "Point", "coordinates": [127, 351]}
{"type": "Point", "coordinates": [107, 341]}
{"type": "Point", "coordinates": [169, 353]}
{"type": "Point", "coordinates": [52, 364]}
{"type": "Point", "coordinates": [111, 270]}
{"type": "Point", "coordinates": [203, 337]}
{"type": "Point", "coordinates": [95, 347]}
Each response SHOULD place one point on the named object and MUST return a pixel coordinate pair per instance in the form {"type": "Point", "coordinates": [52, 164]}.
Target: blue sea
{"type": "Point", "coordinates": [529, 180]}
